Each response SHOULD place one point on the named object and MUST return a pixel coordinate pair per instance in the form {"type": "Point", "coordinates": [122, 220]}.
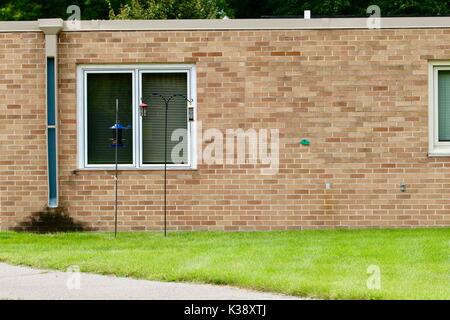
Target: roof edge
{"type": "Point", "coordinates": [19, 26]}
{"type": "Point", "coordinates": [233, 24]}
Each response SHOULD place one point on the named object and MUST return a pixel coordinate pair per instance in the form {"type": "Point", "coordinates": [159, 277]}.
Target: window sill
{"type": "Point", "coordinates": [133, 169]}
{"type": "Point", "coordinates": [439, 153]}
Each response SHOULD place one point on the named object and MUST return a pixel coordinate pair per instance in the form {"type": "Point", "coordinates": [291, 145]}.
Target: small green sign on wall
{"type": "Point", "coordinates": [305, 142]}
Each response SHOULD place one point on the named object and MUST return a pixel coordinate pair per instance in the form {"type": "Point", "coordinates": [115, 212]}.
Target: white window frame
{"type": "Point", "coordinates": [436, 148]}
{"type": "Point", "coordinates": [136, 71]}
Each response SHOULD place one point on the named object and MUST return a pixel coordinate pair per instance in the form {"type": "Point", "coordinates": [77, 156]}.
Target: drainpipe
{"type": "Point", "coordinates": [51, 28]}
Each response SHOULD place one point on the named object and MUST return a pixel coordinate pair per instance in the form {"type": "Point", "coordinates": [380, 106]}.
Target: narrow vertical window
{"type": "Point", "coordinates": [51, 135]}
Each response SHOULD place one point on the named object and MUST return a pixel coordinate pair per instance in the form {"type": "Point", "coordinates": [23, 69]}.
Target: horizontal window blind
{"type": "Point", "coordinates": [102, 91]}
{"type": "Point", "coordinates": [444, 105]}
{"type": "Point", "coordinates": [165, 84]}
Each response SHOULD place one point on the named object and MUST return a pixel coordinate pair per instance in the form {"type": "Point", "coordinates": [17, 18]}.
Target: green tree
{"type": "Point", "coordinates": [171, 9]}
{"type": "Point", "coordinates": [258, 8]}
{"type": "Point", "coordinates": [19, 10]}
{"type": "Point", "coordinates": [194, 9]}
{"type": "Point", "coordinates": [36, 9]}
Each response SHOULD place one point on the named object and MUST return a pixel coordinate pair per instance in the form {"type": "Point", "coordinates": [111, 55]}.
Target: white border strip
{"type": "Point", "coordinates": [19, 26]}
{"type": "Point", "coordinates": [234, 24]}
{"type": "Point", "coordinates": [259, 24]}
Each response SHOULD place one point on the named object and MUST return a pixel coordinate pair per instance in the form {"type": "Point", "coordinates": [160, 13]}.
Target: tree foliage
{"type": "Point", "coordinates": [258, 8]}
{"type": "Point", "coordinates": [171, 9]}
{"type": "Point", "coordinates": [194, 9]}
{"type": "Point", "coordinates": [36, 9]}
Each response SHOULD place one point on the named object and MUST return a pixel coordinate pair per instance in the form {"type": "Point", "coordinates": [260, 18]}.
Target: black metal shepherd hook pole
{"type": "Point", "coordinates": [116, 161]}
{"type": "Point", "coordinates": [165, 168]}
{"type": "Point", "coordinates": [167, 100]}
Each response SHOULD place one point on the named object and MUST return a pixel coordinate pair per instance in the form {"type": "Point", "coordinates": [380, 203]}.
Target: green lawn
{"type": "Point", "coordinates": [414, 263]}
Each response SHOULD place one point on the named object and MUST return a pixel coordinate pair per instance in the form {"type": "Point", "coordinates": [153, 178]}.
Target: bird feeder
{"type": "Point", "coordinates": [117, 135]}
{"type": "Point", "coordinates": [143, 106]}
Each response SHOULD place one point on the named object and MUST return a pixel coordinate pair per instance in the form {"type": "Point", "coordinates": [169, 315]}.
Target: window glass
{"type": "Point", "coordinates": [166, 84]}
{"type": "Point", "coordinates": [102, 91]}
{"type": "Point", "coordinates": [444, 105]}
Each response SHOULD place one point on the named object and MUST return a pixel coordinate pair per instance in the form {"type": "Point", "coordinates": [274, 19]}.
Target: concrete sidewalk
{"type": "Point", "coordinates": [27, 283]}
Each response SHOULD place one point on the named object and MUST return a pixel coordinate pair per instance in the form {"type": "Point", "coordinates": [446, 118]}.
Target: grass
{"type": "Point", "coordinates": [414, 263]}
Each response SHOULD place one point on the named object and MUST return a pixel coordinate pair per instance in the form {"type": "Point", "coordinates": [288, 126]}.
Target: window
{"type": "Point", "coordinates": [143, 142]}
{"type": "Point", "coordinates": [439, 109]}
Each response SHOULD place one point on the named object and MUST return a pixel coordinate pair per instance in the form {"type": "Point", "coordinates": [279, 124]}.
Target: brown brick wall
{"type": "Point", "coordinates": [360, 96]}
{"type": "Point", "coordinates": [23, 148]}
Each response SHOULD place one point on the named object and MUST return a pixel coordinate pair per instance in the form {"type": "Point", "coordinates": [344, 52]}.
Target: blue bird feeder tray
{"type": "Point", "coordinates": [117, 135]}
